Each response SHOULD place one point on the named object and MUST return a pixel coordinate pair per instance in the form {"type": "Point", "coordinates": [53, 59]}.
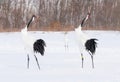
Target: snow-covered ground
{"type": "Point", "coordinates": [60, 64]}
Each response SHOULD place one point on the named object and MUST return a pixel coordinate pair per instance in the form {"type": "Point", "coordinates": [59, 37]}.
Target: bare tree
{"type": "Point", "coordinates": [60, 13]}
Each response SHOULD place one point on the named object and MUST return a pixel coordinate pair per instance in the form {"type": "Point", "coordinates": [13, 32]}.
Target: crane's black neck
{"type": "Point", "coordinates": [84, 20]}
{"type": "Point", "coordinates": [30, 21]}
{"type": "Point", "coordinates": [82, 23]}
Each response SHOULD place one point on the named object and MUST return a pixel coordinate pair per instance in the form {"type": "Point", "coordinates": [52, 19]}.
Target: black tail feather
{"type": "Point", "coordinates": [91, 45]}
{"type": "Point", "coordinates": [39, 46]}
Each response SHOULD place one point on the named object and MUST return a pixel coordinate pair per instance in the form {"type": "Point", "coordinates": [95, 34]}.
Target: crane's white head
{"type": "Point", "coordinates": [87, 17]}
{"type": "Point", "coordinates": [33, 17]}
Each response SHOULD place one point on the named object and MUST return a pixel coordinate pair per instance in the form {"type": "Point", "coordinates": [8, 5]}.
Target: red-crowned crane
{"type": "Point", "coordinates": [66, 41]}
{"type": "Point", "coordinates": [89, 44]}
{"type": "Point", "coordinates": [31, 44]}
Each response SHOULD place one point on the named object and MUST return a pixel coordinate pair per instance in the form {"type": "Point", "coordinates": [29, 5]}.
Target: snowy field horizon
{"type": "Point", "coordinates": [60, 64]}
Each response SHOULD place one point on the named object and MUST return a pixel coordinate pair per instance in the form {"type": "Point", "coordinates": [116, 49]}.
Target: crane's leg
{"type": "Point", "coordinates": [92, 61]}
{"type": "Point", "coordinates": [82, 59]}
{"type": "Point", "coordinates": [37, 62]}
{"type": "Point", "coordinates": [67, 47]}
{"type": "Point", "coordinates": [28, 59]}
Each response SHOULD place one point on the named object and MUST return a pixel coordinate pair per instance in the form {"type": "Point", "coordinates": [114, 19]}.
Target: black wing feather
{"type": "Point", "coordinates": [39, 46]}
{"type": "Point", "coordinates": [91, 45]}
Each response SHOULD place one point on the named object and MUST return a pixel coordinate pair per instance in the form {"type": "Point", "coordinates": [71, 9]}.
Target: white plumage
{"type": "Point", "coordinates": [28, 40]}
{"type": "Point", "coordinates": [31, 44]}
{"type": "Point", "coordinates": [81, 37]}
{"type": "Point", "coordinates": [84, 42]}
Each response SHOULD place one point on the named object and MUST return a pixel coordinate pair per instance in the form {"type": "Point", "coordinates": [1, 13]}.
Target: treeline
{"type": "Point", "coordinates": [54, 14]}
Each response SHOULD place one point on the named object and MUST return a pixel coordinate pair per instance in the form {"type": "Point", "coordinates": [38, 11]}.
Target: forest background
{"type": "Point", "coordinates": [59, 15]}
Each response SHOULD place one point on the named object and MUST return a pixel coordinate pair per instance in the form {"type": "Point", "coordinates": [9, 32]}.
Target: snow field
{"type": "Point", "coordinates": [60, 64]}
